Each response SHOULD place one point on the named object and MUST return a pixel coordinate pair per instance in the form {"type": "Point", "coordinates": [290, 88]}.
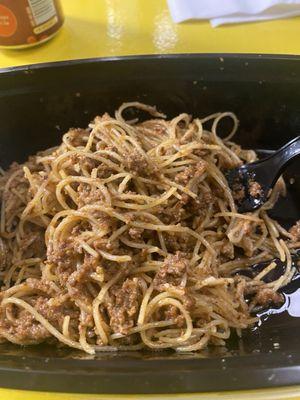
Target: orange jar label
{"type": "Point", "coordinates": [27, 22]}
{"type": "Point", "coordinates": [8, 22]}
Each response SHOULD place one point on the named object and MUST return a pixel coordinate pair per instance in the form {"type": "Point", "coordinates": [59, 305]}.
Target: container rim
{"type": "Point", "coordinates": [171, 56]}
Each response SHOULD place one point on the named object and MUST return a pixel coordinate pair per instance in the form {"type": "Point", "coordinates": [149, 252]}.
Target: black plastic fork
{"type": "Point", "coordinates": [255, 181]}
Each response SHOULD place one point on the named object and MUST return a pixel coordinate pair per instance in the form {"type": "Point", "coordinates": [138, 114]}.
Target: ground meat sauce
{"type": "Point", "coordinates": [135, 233]}
{"type": "Point", "coordinates": [255, 189]}
{"type": "Point", "coordinates": [267, 296]}
{"type": "Point", "coordinates": [241, 191]}
{"type": "Point", "coordinates": [24, 328]}
{"type": "Point", "coordinates": [295, 231]}
{"type": "Point", "coordinates": [171, 313]}
{"type": "Point", "coordinates": [171, 272]}
{"type": "Point", "coordinates": [227, 249]}
{"type": "Point", "coordinates": [123, 305]}
{"type": "Point", "coordinates": [34, 245]}
{"type": "Point", "coordinates": [238, 192]}
{"type": "Point", "coordinates": [136, 162]}
{"type": "Point", "coordinates": [42, 286]}
{"type": "Point", "coordinates": [192, 172]}
{"type": "Point", "coordinates": [88, 196]}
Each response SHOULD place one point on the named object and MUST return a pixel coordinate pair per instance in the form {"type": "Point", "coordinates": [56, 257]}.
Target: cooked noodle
{"type": "Point", "coordinates": [126, 236]}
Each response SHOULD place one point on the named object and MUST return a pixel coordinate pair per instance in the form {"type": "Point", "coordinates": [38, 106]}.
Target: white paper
{"type": "Point", "coordinates": [232, 11]}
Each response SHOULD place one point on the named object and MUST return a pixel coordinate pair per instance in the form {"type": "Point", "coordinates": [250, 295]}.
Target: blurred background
{"type": "Point", "coordinates": [100, 28]}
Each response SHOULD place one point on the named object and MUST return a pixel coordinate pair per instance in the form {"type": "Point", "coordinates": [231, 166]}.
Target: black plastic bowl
{"type": "Point", "coordinates": [40, 102]}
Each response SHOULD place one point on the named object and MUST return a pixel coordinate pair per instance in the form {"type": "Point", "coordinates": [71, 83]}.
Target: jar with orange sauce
{"type": "Point", "coordinates": [25, 23]}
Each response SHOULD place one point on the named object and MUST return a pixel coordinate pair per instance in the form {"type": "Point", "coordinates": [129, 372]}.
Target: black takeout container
{"type": "Point", "coordinates": [38, 103]}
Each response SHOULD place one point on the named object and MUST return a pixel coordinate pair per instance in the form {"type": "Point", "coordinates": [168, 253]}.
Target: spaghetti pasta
{"type": "Point", "coordinates": [126, 236]}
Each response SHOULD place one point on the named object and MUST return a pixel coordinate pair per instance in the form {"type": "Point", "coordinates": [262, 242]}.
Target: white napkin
{"type": "Point", "coordinates": [221, 12]}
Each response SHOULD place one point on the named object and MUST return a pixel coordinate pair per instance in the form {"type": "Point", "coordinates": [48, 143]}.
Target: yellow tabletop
{"type": "Point", "coordinates": [97, 28]}
{"type": "Point", "coordinates": [288, 393]}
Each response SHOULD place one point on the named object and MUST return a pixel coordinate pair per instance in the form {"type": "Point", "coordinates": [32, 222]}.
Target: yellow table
{"type": "Point", "coordinates": [96, 28]}
{"type": "Point", "coordinates": [99, 28]}
{"type": "Point", "coordinates": [292, 393]}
